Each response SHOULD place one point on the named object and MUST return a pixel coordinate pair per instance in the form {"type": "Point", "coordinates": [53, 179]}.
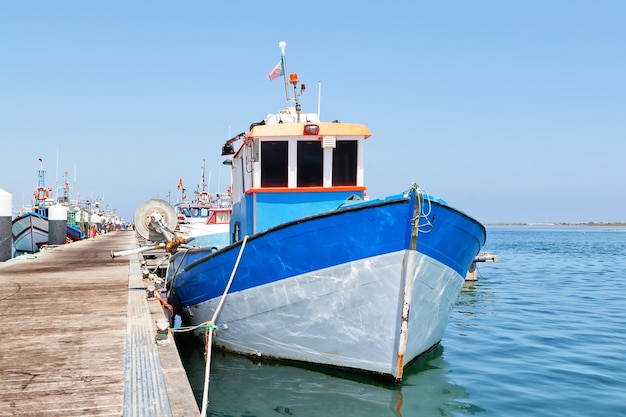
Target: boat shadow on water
{"type": "Point", "coordinates": [241, 386]}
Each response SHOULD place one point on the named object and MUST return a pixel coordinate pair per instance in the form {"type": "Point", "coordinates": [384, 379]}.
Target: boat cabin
{"type": "Point", "coordinates": [290, 166]}
{"type": "Point", "coordinates": [199, 213]}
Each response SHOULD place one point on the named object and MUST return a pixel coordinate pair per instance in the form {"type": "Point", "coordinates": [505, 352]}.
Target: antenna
{"type": "Point", "coordinates": [56, 183]}
{"type": "Point", "coordinates": [203, 178]}
{"type": "Point", "coordinates": [319, 99]}
{"type": "Point", "coordinates": [76, 182]}
{"type": "Point", "coordinates": [209, 187]}
{"type": "Point", "coordinates": [219, 179]}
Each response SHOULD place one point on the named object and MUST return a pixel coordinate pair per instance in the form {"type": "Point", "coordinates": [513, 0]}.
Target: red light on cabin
{"type": "Point", "coordinates": [293, 78]}
{"type": "Point", "coordinates": [310, 129]}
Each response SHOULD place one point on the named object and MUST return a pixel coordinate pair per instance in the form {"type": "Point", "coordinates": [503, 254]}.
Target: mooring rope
{"type": "Point", "coordinates": [209, 331]}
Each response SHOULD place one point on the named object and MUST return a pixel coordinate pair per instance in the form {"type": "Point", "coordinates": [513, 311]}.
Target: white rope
{"type": "Point", "coordinates": [209, 341]}
{"type": "Point", "coordinates": [230, 280]}
{"type": "Point", "coordinates": [425, 210]}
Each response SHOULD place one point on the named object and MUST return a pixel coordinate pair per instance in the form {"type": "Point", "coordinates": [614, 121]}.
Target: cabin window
{"type": "Point", "coordinates": [274, 159]}
{"type": "Point", "coordinates": [344, 162]}
{"type": "Point", "coordinates": [310, 164]}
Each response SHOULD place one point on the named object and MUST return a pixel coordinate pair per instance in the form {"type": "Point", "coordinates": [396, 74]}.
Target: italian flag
{"type": "Point", "coordinates": [277, 71]}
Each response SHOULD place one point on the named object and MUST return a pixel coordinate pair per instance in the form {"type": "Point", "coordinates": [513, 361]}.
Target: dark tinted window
{"type": "Point", "coordinates": [310, 164]}
{"type": "Point", "coordinates": [344, 162]}
{"type": "Point", "coordinates": [274, 164]}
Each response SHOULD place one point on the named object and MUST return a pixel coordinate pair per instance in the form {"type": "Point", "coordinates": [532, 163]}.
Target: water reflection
{"type": "Point", "coordinates": [473, 294]}
{"type": "Point", "coordinates": [240, 387]}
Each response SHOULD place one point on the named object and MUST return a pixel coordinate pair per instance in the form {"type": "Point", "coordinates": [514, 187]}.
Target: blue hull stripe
{"type": "Point", "coordinates": [337, 237]}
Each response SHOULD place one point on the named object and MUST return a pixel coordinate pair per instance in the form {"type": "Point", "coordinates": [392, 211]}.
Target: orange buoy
{"type": "Point", "coordinates": [41, 193]}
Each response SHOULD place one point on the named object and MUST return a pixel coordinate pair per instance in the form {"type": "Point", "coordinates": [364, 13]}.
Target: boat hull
{"type": "Point", "coordinates": [30, 231]}
{"type": "Point", "coordinates": [201, 234]}
{"type": "Point", "coordinates": [344, 289]}
{"type": "Point", "coordinates": [74, 233]}
{"type": "Point", "coordinates": [204, 224]}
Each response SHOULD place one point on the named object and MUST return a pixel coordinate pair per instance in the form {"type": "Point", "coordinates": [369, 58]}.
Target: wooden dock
{"type": "Point", "coordinates": [481, 257]}
{"type": "Point", "coordinates": [78, 337]}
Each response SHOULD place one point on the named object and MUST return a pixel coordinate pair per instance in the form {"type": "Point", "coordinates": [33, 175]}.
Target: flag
{"type": "Point", "coordinates": [278, 70]}
{"type": "Point", "coordinates": [180, 184]}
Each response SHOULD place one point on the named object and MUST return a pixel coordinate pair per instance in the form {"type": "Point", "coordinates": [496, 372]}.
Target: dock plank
{"type": "Point", "coordinates": [70, 343]}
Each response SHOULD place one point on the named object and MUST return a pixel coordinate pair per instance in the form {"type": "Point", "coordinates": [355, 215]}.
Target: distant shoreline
{"type": "Point", "coordinates": [612, 224]}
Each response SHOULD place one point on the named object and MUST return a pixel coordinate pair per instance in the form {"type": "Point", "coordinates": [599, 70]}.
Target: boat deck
{"type": "Point", "coordinates": [79, 336]}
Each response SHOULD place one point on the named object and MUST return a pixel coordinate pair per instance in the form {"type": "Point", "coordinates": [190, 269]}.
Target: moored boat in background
{"type": "Point", "coordinates": [204, 221]}
{"type": "Point", "coordinates": [30, 227]}
{"type": "Point", "coordinates": [30, 232]}
{"type": "Point", "coordinates": [75, 226]}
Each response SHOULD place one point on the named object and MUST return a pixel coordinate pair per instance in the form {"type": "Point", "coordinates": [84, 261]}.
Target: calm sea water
{"type": "Point", "coordinates": [542, 332]}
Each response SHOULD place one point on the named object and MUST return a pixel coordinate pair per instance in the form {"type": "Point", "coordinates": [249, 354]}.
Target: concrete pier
{"type": "Point", "coordinates": [78, 336]}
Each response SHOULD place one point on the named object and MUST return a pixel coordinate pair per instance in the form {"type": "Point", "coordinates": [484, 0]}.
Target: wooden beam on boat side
{"type": "Point", "coordinates": [78, 336]}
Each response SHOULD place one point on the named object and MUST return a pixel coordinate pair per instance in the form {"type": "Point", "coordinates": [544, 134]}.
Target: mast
{"type": "Point", "coordinates": [202, 195]}
{"type": "Point", "coordinates": [293, 80]}
{"type": "Point", "coordinates": [66, 188]}
{"type": "Point", "coordinates": [41, 192]}
{"type": "Point", "coordinates": [203, 177]}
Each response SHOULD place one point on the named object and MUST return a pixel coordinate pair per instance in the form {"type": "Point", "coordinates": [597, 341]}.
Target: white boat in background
{"type": "Point", "coordinates": [75, 226]}
{"type": "Point", "coordinates": [205, 220]}
{"type": "Point", "coordinates": [315, 272]}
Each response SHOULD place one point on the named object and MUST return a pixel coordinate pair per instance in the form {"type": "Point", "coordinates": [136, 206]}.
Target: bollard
{"type": "Point", "coordinates": [6, 236]}
{"type": "Point", "coordinates": [57, 225]}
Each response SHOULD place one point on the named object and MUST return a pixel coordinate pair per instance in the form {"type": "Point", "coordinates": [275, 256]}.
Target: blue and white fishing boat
{"type": "Point", "coordinates": [30, 227]}
{"type": "Point", "coordinates": [316, 273]}
{"type": "Point", "coordinates": [30, 231]}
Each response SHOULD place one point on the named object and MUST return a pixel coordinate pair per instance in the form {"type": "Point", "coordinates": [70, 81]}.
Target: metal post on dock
{"type": "Point", "coordinates": [57, 225]}
{"type": "Point", "coordinates": [6, 237]}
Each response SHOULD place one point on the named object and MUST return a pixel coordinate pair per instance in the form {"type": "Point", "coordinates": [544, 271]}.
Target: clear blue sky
{"type": "Point", "coordinates": [508, 110]}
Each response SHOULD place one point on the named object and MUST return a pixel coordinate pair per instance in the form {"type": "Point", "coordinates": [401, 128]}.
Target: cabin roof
{"type": "Point", "coordinates": [297, 129]}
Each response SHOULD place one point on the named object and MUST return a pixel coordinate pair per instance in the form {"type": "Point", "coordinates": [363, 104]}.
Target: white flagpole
{"type": "Point", "coordinates": [319, 100]}
{"type": "Point", "coordinates": [282, 45]}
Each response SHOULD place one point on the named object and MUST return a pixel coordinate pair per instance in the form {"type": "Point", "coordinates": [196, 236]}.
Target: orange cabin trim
{"type": "Point", "coordinates": [304, 189]}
